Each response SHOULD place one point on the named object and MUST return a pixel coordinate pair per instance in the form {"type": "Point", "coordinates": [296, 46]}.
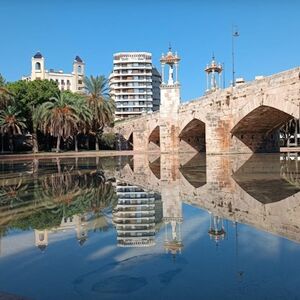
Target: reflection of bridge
{"type": "Point", "coordinates": [244, 188]}
{"type": "Point", "coordinates": [242, 119]}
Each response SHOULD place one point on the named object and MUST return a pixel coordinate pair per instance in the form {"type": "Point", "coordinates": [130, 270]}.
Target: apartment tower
{"type": "Point", "coordinates": [134, 84]}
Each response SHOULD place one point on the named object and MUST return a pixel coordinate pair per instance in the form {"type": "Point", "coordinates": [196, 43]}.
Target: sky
{"type": "Point", "coordinates": [95, 29]}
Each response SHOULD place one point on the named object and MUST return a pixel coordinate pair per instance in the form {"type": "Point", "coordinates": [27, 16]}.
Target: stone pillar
{"type": "Point", "coordinates": [140, 141]}
{"type": "Point", "coordinates": [169, 129]}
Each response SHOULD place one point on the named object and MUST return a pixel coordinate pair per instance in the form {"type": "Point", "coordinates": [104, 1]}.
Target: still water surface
{"type": "Point", "coordinates": [151, 227]}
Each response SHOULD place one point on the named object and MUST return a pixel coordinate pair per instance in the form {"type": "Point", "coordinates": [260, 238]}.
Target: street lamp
{"type": "Point", "coordinates": [235, 33]}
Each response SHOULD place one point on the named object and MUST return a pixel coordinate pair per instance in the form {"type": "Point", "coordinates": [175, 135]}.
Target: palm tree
{"type": "Point", "coordinates": [59, 117]}
{"type": "Point", "coordinates": [100, 103]}
{"type": "Point", "coordinates": [6, 97]}
{"type": "Point", "coordinates": [85, 118]}
{"type": "Point", "coordinates": [11, 123]}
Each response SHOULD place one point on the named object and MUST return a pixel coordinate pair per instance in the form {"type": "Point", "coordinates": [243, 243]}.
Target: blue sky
{"type": "Point", "coordinates": [95, 29]}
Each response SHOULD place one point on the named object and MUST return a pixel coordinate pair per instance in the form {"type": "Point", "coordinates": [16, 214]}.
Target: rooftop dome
{"type": "Point", "coordinates": [42, 247]}
{"type": "Point", "coordinates": [38, 55]}
{"type": "Point", "coordinates": [78, 59]}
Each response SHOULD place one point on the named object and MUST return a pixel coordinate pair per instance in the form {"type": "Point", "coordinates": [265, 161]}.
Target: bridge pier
{"type": "Point", "coordinates": [169, 129]}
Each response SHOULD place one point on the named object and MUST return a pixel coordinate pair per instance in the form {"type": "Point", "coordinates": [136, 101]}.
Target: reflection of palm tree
{"type": "Point", "coordinates": [13, 195]}
{"type": "Point", "coordinates": [63, 194]}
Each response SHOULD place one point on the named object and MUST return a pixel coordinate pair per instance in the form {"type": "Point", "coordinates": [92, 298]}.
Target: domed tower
{"type": "Point", "coordinates": [79, 73]}
{"type": "Point", "coordinates": [37, 67]}
{"type": "Point", "coordinates": [213, 75]}
{"type": "Point", "coordinates": [41, 239]}
{"type": "Point", "coordinates": [81, 229]}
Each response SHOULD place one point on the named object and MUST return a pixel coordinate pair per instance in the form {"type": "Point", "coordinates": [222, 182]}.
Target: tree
{"type": "Point", "coordinates": [11, 123]}
{"type": "Point", "coordinates": [59, 117]}
{"type": "Point", "coordinates": [84, 114]}
{"type": "Point", "coordinates": [28, 96]}
{"type": "Point", "coordinates": [2, 81]}
{"type": "Point", "coordinates": [101, 105]}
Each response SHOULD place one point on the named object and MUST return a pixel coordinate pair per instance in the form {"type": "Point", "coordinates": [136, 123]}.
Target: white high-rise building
{"type": "Point", "coordinates": [66, 81]}
{"type": "Point", "coordinates": [134, 84]}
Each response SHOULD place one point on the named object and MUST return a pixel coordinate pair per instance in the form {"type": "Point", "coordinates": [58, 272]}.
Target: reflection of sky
{"type": "Point", "coordinates": [256, 266]}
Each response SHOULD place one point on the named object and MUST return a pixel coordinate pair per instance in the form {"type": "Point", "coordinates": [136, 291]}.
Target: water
{"type": "Point", "coordinates": [151, 227]}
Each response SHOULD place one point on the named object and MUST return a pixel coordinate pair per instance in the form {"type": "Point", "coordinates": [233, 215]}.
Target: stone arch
{"type": "Point", "coordinates": [192, 136]}
{"type": "Point", "coordinates": [124, 141]}
{"type": "Point", "coordinates": [257, 127]}
{"type": "Point", "coordinates": [272, 101]}
{"type": "Point", "coordinates": [154, 139]}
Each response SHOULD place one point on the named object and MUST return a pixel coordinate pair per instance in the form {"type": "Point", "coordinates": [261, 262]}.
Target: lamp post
{"type": "Point", "coordinates": [235, 33]}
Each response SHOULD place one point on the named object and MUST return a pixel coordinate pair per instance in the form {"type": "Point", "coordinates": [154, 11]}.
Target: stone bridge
{"type": "Point", "coordinates": [260, 190]}
{"type": "Point", "coordinates": [241, 119]}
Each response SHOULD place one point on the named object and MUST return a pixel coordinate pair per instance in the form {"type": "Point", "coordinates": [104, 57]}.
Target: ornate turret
{"type": "Point", "coordinates": [173, 243]}
{"type": "Point", "coordinates": [216, 230]}
{"type": "Point", "coordinates": [171, 59]}
{"type": "Point", "coordinates": [213, 75]}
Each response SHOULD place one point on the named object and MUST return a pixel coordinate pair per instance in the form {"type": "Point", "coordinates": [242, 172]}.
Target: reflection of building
{"type": "Point", "coordinates": [135, 216]}
{"type": "Point", "coordinates": [66, 81]}
{"type": "Point", "coordinates": [79, 223]}
{"type": "Point", "coordinates": [134, 84]}
{"type": "Point", "coordinates": [216, 229]}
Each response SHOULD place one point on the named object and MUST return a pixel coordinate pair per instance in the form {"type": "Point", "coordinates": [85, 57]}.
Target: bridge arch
{"type": "Point", "coordinates": [154, 139]}
{"type": "Point", "coordinates": [192, 136]}
{"type": "Point", "coordinates": [257, 124]}
{"type": "Point", "coordinates": [124, 140]}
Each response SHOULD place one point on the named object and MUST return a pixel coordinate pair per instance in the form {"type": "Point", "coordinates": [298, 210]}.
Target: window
{"type": "Point", "coordinates": [41, 237]}
{"type": "Point", "coordinates": [62, 82]}
{"type": "Point", "coordinates": [37, 66]}
{"type": "Point", "coordinates": [79, 81]}
{"type": "Point", "coordinates": [79, 69]}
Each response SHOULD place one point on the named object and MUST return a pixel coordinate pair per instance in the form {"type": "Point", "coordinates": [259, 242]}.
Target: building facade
{"type": "Point", "coordinates": [135, 216]}
{"type": "Point", "coordinates": [66, 81]}
{"type": "Point", "coordinates": [134, 84]}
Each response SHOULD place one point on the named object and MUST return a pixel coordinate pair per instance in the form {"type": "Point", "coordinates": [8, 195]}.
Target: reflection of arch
{"type": "Point", "coordinates": [261, 178]}
{"type": "Point", "coordinates": [124, 142]}
{"type": "Point", "coordinates": [194, 171]}
{"type": "Point", "coordinates": [192, 136]}
{"type": "Point", "coordinates": [259, 128]}
{"type": "Point", "coordinates": [155, 167]}
{"type": "Point", "coordinates": [130, 142]}
{"type": "Point", "coordinates": [37, 66]}
{"type": "Point", "coordinates": [154, 139]}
